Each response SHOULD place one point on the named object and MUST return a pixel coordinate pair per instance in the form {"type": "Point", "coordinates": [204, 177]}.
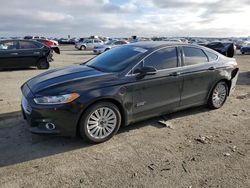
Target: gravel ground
{"type": "Point", "coordinates": [198, 148]}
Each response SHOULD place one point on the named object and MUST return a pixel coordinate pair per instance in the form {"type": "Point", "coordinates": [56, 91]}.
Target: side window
{"type": "Point", "coordinates": [211, 56]}
{"type": "Point", "coordinates": [27, 45]}
{"type": "Point", "coordinates": [162, 59]}
{"type": "Point", "coordinates": [97, 41]}
{"type": "Point", "coordinates": [194, 55]}
{"type": "Point", "coordinates": [8, 45]}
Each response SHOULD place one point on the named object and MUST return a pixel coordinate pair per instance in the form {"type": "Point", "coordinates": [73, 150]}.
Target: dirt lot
{"type": "Point", "coordinates": [203, 148]}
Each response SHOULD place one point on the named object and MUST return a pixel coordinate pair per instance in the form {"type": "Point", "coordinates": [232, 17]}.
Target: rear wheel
{"type": "Point", "coordinates": [218, 95]}
{"type": "Point", "coordinates": [100, 122]}
{"type": "Point", "coordinates": [243, 53]}
{"type": "Point", "coordinates": [43, 64]}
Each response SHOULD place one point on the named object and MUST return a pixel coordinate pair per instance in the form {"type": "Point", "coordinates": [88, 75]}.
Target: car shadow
{"type": "Point", "coordinates": [18, 145]}
{"type": "Point", "coordinates": [17, 69]}
{"type": "Point", "coordinates": [155, 121]}
{"type": "Point", "coordinates": [244, 78]}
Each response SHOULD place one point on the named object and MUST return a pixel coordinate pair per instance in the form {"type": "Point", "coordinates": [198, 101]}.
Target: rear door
{"type": "Point", "coordinates": [29, 53]}
{"type": "Point", "coordinates": [9, 56]}
{"type": "Point", "coordinates": [198, 75]}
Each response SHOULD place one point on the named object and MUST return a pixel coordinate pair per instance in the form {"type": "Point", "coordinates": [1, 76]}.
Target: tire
{"type": "Point", "coordinates": [218, 95]}
{"type": "Point", "coordinates": [82, 48]}
{"type": "Point", "coordinates": [230, 51]}
{"type": "Point", "coordinates": [98, 125]}
{"type": "Point", "coordinates": [242, 53]}
{"type": "Point", "coordinates": [42, 64]}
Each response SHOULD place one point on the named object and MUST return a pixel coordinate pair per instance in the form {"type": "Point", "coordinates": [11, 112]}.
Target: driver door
{"type": "Point", "coordinates": [159, 93]}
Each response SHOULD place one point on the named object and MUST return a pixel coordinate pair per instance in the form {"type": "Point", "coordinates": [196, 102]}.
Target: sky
{"type": "Point", "coordinates": [121, 18]}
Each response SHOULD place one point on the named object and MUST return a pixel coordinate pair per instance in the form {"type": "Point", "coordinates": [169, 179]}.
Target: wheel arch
{"type": "Point", "coordinates": [110, 100]}
{"type": "Point", "coordinates": [228, 82]}
{"type": "Point", "coordinates": [83, 46]}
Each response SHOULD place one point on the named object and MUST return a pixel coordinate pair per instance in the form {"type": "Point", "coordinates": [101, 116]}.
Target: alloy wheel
{"type": "Point", "coordinates": [219, 95]}
{"type": "Point", "coordinates": [101, 123]}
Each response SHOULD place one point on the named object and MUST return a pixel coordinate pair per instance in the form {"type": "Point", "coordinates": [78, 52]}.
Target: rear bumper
{"type": "Point", "coordinates": [234, 79]}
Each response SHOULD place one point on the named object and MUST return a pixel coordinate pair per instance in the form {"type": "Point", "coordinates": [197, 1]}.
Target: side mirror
{"type": "Point", "coordinates": [145, 71]}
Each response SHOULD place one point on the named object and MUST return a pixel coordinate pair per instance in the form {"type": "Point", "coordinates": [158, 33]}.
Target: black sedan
{"type": "Point", "coordinates": [24, 53]}
{"type": "Point", "coordinates": [225, 48]}
{"type": "Point", "coordinates": [125, 85]}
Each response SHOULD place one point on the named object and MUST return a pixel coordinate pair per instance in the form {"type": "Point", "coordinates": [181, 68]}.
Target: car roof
{"type": "Point", "coordinates": [153, 45]}
{"type": "Point", "coordinates": [33, 40]}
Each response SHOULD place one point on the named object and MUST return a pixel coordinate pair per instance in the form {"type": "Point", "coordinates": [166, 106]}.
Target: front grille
{"type": "Point", "coordinates": [26, 107]}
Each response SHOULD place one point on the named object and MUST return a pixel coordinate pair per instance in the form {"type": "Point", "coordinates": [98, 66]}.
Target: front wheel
{"type": "Point", "coordinates": [100, 122]}
{"type": "Point", "coordinates": [218, 95]}
{"type": "Point", "coordinates": [43, 64]}
{"type": "Point", "coordinates": [82, 48]}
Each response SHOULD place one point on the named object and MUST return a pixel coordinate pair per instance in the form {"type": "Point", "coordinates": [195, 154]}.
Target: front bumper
{"type": "Point", "coordinates": [98, 51]}
{"type": "Point", "coordinates": [64, 117]}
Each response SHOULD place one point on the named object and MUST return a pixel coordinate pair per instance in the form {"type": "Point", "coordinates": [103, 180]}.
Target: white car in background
{"type": "Point", "coordinates": [88, 44]}
{"type": "Point", "coordinates": [107, 46]}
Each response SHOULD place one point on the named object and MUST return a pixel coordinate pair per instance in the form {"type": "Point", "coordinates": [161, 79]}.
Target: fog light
{"type": "Point", "coordinates": [50, 126]}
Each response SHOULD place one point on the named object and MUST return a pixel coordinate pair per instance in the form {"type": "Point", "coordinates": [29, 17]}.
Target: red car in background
{"type": "Point", "coordinates": [50, 43]}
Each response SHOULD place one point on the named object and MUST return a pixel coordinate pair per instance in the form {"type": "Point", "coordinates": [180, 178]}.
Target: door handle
{"type": "Point", "coordinates": [211, 68]}
{"type": "Point", "coordinates": [13, 53]}
{"type": "Point", "coordinates": [175, 74]}
{"type": "Point", "coordinates": [36, 53]}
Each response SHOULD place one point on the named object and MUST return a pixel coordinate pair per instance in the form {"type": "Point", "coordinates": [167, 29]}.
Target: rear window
{"type": "Point", "coordinates": [194, 55]}
{"type": "Point", "coordinates": [211, 56]}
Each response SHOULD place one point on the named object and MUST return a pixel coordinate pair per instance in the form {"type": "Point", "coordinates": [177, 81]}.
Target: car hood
{"type": "Point", "coordinates": [64, 77]}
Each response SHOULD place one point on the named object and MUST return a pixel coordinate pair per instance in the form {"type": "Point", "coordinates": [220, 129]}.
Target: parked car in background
{"type": "Point", "coordinates": [107, 46]}
{"type": "Point", "coordinates": [55, 43]}
{"type": "Point", "coordinates": [173, 40]}
{"type": "Point", "coordinates": [24, 53]}
{"type": "Point", "coordinates": [88, 44]}
{"type": "Point", "coordinates": [245, 48]}
{"type": "Point", "coordinates": [51, 44]}
{"type": "Point", "coordinates": [124, 85]}
{"type": "Point", "coordinates": [225, 48]}
{"type": "Point", "coordinates": [66, 41]}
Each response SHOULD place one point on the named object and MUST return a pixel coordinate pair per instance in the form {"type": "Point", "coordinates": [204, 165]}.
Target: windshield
{"type": "Point", "coordinates": [115, 59]}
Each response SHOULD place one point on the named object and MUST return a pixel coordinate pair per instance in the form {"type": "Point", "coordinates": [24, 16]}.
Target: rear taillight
{"type": "Point", "coordinates": [235, 65]}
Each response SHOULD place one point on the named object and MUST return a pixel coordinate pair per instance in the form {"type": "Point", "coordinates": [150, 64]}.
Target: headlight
{"type": "Point", "coordinates": [59, 99]}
